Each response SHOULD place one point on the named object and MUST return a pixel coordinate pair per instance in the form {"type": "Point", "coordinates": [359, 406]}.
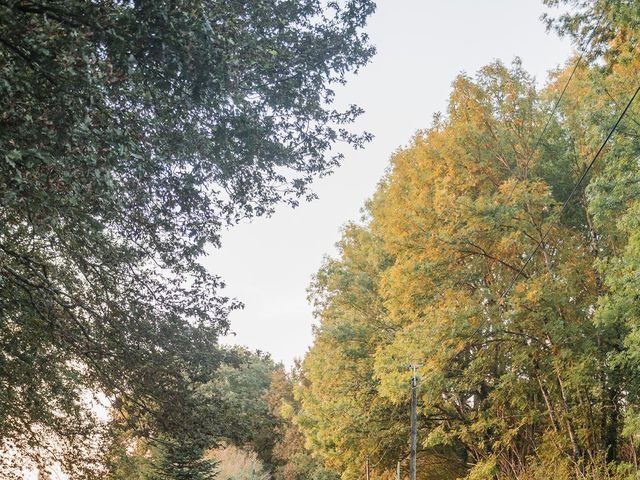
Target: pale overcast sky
{"type": "Point", "coordinates": [422, 45]}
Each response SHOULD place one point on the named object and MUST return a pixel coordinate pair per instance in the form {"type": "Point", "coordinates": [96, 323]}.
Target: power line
{"type": "Point", "coordinates": [582, 51]}
{"type": "Point", "coordinates": [554, 109]}
{"type": "Point", "coordinates": [573, 191]}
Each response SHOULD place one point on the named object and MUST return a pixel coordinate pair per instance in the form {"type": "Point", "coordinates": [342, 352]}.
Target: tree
{"type": "Point", "coordinates": [131, 457]}
{"type": "Point", "coordinates": [232, 411]}
{"type": "Point", "coordinates": [130, 134]}
{"type": "Point", "coordinates": [602, 27]}
{"type": "Point", "coordinates": [528, 365]}
{"type": "Point", "coordinates": [612, 199]}
{"type": "Point", "coordinates": [184, 462]}
{"type": "Point", "coordinates": [241, 390]}
{"type": "Point", "coordinates": [294, 461]}
{"type": "Point", "coordinates": [343, 415]}
{"type": "Point", "coordinates": [507, 350]}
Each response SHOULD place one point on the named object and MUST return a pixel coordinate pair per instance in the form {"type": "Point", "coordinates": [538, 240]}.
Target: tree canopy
{"type": "Point", "coordinates": [528, 366]}
{"type": "Point", "coordinates": [130, 134]}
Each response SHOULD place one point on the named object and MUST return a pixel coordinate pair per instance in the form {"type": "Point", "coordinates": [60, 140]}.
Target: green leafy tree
{"type": "Point", "coordinates": [242, 390]}
{"type": "Point", "coordinates": [603, 27]}
{"type": "Point", "coordinates": [611, 197]}
{"type": "Point", "coordinates": [343, 416]}
{"type": "Point", "coordinates": [294, 461]}
{"type": "Point", "coordinates": [130, 134]}
{"type": "Point", "coordinates": [231, 409]}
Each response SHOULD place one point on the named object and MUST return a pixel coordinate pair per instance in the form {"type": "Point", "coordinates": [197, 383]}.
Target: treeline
{"type": "Point", "coordinates": [257, 437]}
{"type": "Point", "coordinates": [530, 366]}
{"type": "Point", "coordinates": [133, 133]}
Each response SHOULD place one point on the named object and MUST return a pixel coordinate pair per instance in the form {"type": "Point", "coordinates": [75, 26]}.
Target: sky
{"type": "Point", "coordinates": [422, 46]}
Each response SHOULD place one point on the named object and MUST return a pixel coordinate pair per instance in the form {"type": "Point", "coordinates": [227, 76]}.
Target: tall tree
{"type": "Point", "coordinates": [611, 198]}
{"type": "Point", "coordinates": [294, 461]}
{"type": "Point", "coordinates": [130, 134]}
{"type": "Point", "coordinates": [517, 378]}
{"type": "Point", "coordinates": [242, 392]}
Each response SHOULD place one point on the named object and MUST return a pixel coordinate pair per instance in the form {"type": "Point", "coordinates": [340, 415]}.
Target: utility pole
{"type": "Point", "coordinates": [366, 467]}
{"type": "Point", "coordinates": [414, 421]}
{"type": "Point", "coordinates": [398, 471]}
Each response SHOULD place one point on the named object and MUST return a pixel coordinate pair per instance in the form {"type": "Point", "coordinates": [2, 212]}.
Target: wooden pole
{"type": "Point", "coordinates": [414, 430]}
{"type": "Point", "coordinates": [366, 467]}
{"type": "Point", "coordinates": [414, 424]}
